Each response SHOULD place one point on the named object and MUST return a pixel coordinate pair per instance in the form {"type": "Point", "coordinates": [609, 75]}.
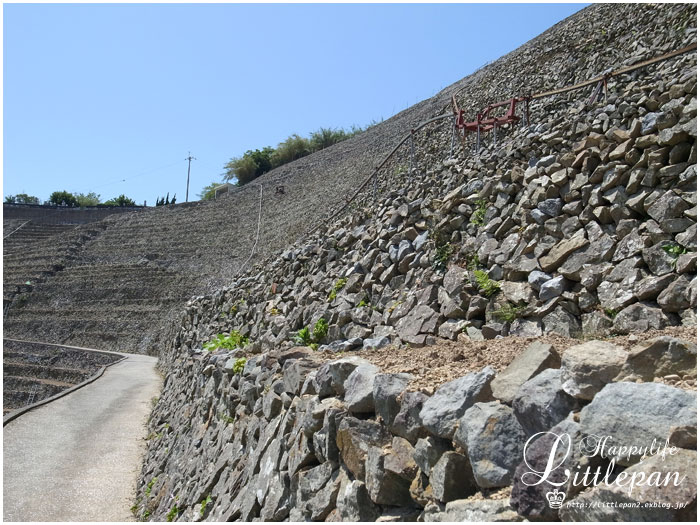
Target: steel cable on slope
{"type": "Point", "coordinates": [257, 233]}
{"type": "Point", "coordinates": [565, 89]}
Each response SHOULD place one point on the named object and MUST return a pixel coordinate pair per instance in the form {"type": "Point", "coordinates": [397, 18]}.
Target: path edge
{"type": "Point", "coordinates": [20, 411]}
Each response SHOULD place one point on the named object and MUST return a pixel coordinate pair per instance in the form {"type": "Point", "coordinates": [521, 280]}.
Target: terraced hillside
{"type": "Point", "coordinates": [204, 246]}
{"type": "Point", "coordinates": [32, 372]}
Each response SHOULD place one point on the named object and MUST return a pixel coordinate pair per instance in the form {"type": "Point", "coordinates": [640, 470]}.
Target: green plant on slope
{"type": "Point", "coordinates": [173, 513]}
{"type": "Point", "coordinates": [339, 285]}
{"type": "Point", "coordinates": [204, 504]}
{"type": "Point", "coordinates": [150, 486]}
{"type": "Point", "coordinates": [230, 342]}
{"type": "Point", "coordinates": [487, 286]}
{"type": "Point", "coordinates": [674, 250]}
{"type": "Point", "coordinates": [443, 252]}
{"type": "Point", "coordinates": [320, 330]}
{"type": "Point", "coordinates": [480, 212]}
{"type": "Point", "coordinates": [508, 312]}
{"type": "Point", "coordinates": [238, 365]}
{"type": "Point", "coordinates": [303, 336]}
{"type": "Point", "coordinates": [610, 312]}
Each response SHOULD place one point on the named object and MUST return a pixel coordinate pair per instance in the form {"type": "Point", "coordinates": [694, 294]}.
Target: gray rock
{"type": "Point", "coordinates": [636, 414]}
{"type": "Point", "coordinates": [354, 503]}
{"type": "Point", "coordinates": [330, 378]}
{"type": "Point", "coordinates": [530, 362]}
{"type": "Point", "coordinates": [529, 495]}
{"type": "Point", "coordinates": [650, 287]}
{"type": "Point", "coordinates": [678, 295]}
{"type": "Point", "coordinates": [541, 403]}
{"type": "Point", "coordinates": [385, 487]}
{"type": "Point", "coordinates": [659, 357]}
{"type": "Point", "coordinates": [526, 328]}
{"type": "Point", "coordinates": [558, 254]}
{"type": "Point", "coordinates": [354, 438]}
{"type": "Point", "coordinates": [443, 409]}
{"type": "Point", "coordinates": [295, 373]}
{"type": "Point", "coordinates": [466, 510]}
{"type": "Point", "coordinates": [451, 328]}
{"type": "Point", "coordinates": [551, 207]}
{"type": "Point", "coordinates": [659, 261]}
{"type": "Point", "coordinates": [588, 367]}
{"type": "Point", "coordinates": [560, 321]}
{"type": "Point", "coordinates": [359, 389]}
{"type": "Point", "coordinates": [451, 477]}
{"type": "Point", "coordinates": [516, 292]}
{"type": "Point", "coordinates": [376, 343]}
{"type": "Point", "coordinates": [641, 501]}
{"type": "Point", "coordinates": [422, 319]}
{"type": "Point", "coordinates": [640, 317]}
{"type": "Point", "coordinates": [536, 279]}
{"type": "Point", "coordinates": [386, 391]}
{"type": "Point", "coordinates": [427, 452]}
{"type": "Point", "coordinates": [668, 206]}
{"type": "Point", "coordinates": [407, 422]}
{"type": "Point", "coordinates": [494, 440]}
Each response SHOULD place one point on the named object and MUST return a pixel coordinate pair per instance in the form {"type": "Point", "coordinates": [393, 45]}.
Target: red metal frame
{"type": "Point", "coordinates": [485, 123]}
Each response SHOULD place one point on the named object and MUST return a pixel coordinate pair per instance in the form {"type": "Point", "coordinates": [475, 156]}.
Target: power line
{"type": "Point", "coordinates": [189, 160]}
{"type": "Point", "coordinates": [137, 175]}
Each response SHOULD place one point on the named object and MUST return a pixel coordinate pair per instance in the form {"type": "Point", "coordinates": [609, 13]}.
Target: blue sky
{"type": "Point", "coordinates": [111, 98]}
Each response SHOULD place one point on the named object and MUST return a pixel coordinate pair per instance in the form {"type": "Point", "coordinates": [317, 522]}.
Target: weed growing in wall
{"type": "Point", "coordinates": [229, 342]}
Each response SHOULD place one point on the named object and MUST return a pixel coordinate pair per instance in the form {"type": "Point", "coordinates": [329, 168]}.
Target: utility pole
{"type": "Point", "coordinates": [189, 160]}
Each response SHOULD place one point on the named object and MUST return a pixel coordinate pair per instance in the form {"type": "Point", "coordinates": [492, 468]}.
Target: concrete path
{"type": "Point", "coordinates": [78, 458]}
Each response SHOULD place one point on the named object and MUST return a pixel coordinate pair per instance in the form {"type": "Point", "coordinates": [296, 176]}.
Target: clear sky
{"type": "Point", "coordinates": [111, 98]}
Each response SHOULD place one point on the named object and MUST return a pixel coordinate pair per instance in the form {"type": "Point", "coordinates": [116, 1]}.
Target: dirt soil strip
{"type": "Point", "coordinates": [78, 458]}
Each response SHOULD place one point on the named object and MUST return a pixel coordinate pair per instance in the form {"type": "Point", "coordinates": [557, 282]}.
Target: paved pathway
{"type": "Point", "coordinates": [78, 458]}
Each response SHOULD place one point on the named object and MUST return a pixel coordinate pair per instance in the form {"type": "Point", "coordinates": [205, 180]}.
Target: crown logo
{"type": "Point", "coordinates": [555, 499]}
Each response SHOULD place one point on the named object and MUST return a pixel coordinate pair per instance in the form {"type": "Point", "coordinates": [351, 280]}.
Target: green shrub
{"type": "Point", "coordinates": [173, 513]}
{"type": "Point", "coordinates": [230, 342]}
{"type": "Point", "coordinates": [303, 336]}
{"type": "Point", "coordinates": [149, 487]}
{"type": "Point", "coordinates": [487, 286]}
{"type": "Point", "coordinates": [238, 365]}
{"type": "Point", "coordinates": [443, 252]}
{"type": "Point", "coordinates": [204, 504]}
{"type": "Point", "coordinates": [509, 313]}
{"type": "Point", "coordinates": [339, 285]}
{"type": "Point", "coordinates": [611, 313]}
{"type": "Point", "coordinates": [320, 330]}
{"type": "Point", "coordinates": [480, 212]}
{"type": "Point", "coordinates": [674, 250]}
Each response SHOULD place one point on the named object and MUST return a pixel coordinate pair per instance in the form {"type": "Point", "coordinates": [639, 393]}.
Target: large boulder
{"type": "Point", "coordinates": [533, 478]}
{"type": "Point", "coordinates": [354, 503]}
{"type": "Point", "coordinates": [588, 367]}
{"type": "Point", "coordinates": [494, 440]}
{"type": "Point", "coordinates": [384, 486]}
{"type": "Point", "coordinates": [330, 377]}
{"type": "Point", "coordinates": [530, 362]}
{"type": "Point", "coordinates": [407, 422]}
{"type": "Point", "coordinates": [386, 391]}
{"type": "Point", "coordinates": [359, 389]}
{"type": "Point", "coordinates": [451, 477]}
{"type": "Point", "coordinates": [354, 439]}
{"type": "Point", "coordinates": [661, 488]}
{"type": "Point", "coordinates": [541, 403]}
{"type": "Point", "coordinates": [428, 451]}
{"type": "Point", "coordinates": [443, 409]}
{"type": "Point", "coordinates": [634, 415]}
{"type": "Point", "coordinates": [640, 317]}
{"type": "Point", "coordinates": [659, 357]}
